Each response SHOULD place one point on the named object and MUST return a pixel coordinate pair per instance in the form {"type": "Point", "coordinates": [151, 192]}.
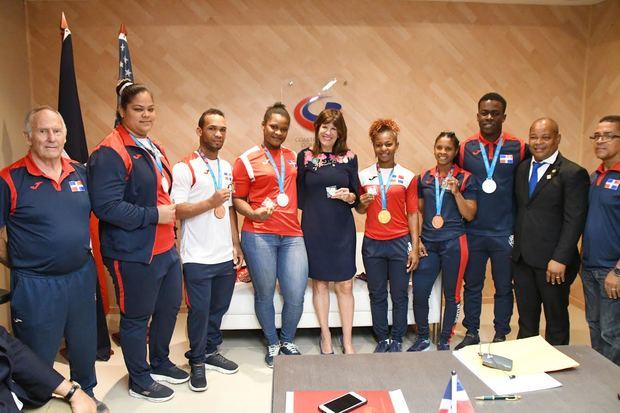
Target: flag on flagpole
{"type": "Point", "coordinates": [68, 100]}
{"type": "Point", "coordinates": [455, 398]}
{"type": "Point", "coordinates": [125, 70]}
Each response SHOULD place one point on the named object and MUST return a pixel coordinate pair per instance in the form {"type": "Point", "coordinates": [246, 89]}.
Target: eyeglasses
{"type": "Point", "coordinates": [604, 137]}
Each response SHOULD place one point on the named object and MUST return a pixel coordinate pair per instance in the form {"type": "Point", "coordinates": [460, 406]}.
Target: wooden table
{"type": "Point", "coordinates": [593, 387]}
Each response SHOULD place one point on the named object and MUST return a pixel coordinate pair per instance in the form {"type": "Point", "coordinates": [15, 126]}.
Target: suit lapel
{"type": "Point", "coordinates": [551, 173]}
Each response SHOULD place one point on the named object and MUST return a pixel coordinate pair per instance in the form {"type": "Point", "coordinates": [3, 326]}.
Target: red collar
{"type": "Point", "coordinates": [601, 168]}
{"type": "Point", "coordinates": [125, 136]}
{"type": "Point", "coordinates": [487, 142]}
{"type": "Point", "coordinates": [34, 170]}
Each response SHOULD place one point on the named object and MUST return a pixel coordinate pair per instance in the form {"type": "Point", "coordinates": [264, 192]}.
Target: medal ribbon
{"type": "Point", "coordinates": [216, 181]}
{"type": "Point", "coordinates": [153, 151]}
{"type": "Point", "coordinates": [439, 194]}
{"type": "Point", "coordinates": [491, 168]}
{"type": "Point", "coordinates": [279, 175]}
{"type": "Point", "coordinates": [384, 188]}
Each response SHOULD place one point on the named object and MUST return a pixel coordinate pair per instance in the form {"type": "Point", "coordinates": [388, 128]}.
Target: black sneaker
{"type": "Point", "coordinates": [396, 346]}
{"type": "Point", "coordinates": [383, 346]}
{"type": "Point", "coordinates": [443, 346]}
{"type": "Point", "coordinates": [172, 375]}
{"type": "Point", "coordinates": [468, 340]}
{"type": "Point", "coordinates": [420, 344]}
{"type": "Point", "coordinates": [289, 349]}
{"type": "Point", "coordinates": [197, 377]}
{"type": "Point", "coordinates": [156, 392]}
{"type": "Point", "coordinates": [272, 351]}
{"type": "Point", "coordinates": [499, 339]}
{"type": "Point", "coordinates": [220, 363]}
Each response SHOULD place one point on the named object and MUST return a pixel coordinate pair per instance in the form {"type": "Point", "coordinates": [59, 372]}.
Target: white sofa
{"type": "Point", "coordinates": [241, 315]}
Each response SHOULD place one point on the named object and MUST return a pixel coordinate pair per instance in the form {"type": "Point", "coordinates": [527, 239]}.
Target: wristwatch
{"type": "Point", "coordinates": [617, 272]}
{"type": "Point", "coordinates": [74, 387]}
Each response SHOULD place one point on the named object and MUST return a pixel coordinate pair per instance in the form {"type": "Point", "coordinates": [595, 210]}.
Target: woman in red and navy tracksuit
{"type": "Point", "coordinates": [447, 197]}
{"type": "Point", "coordinates": [130, 179]}
{"type": "Point", "coordinates": [390, 251]}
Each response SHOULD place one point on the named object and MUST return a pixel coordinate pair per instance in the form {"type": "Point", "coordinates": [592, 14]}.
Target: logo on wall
{"type": "Point", "coordinates": [305, 117]}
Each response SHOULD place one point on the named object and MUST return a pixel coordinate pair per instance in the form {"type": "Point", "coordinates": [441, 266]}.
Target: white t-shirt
{"type": "Point", "coordinates": [205, 239]}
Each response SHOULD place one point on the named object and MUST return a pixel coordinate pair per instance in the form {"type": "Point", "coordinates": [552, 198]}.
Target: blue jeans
{"type": "Point", "coordinates": [602, 314]}
{"type": "Point", "coordinates": [272, 257]}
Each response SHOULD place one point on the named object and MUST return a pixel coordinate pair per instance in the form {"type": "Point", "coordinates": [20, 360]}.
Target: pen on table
{"type": "Point", "coordinates": [499, 397]}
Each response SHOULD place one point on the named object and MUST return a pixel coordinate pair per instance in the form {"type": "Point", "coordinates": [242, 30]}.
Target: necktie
{"type": "Point", "coordinates": [534, 176]}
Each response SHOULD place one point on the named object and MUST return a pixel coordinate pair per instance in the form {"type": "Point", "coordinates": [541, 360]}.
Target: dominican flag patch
{"type": "Point", "coordinates": [400, 179]}
{"type": "Point", "coordinates": [612, 184]}
{"type": "Point", "coordinates": [77, 186]}
{"type": "Point", "coordinates": [506, 158]}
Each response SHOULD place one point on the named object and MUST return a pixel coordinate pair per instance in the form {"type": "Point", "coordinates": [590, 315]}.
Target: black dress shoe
{"type": "Point", "coordinates": [499, 339]}
{"type": "Point", "coordinates": [470, 339]}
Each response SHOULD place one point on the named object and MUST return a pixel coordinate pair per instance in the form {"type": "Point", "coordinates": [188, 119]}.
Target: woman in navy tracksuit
{"type": "Point", "coordinates": [130, 179]}
{"type": "Point", "coordinates": [447, 197]}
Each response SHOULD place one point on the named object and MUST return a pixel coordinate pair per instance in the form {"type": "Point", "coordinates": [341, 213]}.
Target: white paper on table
{"type": "Point", "coordinates": [398, 401]}
{"type": "Point", "coordinates": [522, 384]}
{"type": "Point", "coordinates": [290, 402]}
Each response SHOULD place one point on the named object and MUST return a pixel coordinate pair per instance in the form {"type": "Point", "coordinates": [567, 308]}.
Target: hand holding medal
{"type": "Point", "coordinates": [452, 185]}
{"type": "Point", "coordinates": [262, 213]}
{"type": "Point", "coordinates": [218, 199]}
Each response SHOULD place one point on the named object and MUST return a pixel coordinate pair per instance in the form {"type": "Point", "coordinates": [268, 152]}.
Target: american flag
{"type": "Point", "coordinates": [612, 184]}
{"type": "Point", "coordinates": [125, 70]}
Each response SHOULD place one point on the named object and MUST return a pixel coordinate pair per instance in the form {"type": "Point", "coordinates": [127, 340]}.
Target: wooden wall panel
{"type": "Point", "coordinates": [424, 64]}
{"type": "Point", "coordinates": [14, 99]}
{"type": "Point", "coordinates": [602, 89]}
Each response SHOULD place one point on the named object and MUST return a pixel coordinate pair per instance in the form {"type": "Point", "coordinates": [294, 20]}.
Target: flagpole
{"type": "Point", "coordinates": [453, 391]}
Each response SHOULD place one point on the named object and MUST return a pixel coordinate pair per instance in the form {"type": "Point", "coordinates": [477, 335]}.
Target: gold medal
{"type": "Point", "coordinates": [437, 221]}
{"type": "Point", "coordinates": [384, 216]}
{"type": "Point", "coordinates": [220, 212]}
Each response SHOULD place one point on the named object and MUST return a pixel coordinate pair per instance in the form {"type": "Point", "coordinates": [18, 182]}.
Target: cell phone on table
{"type": "Point", "coordinates": [345, 403]}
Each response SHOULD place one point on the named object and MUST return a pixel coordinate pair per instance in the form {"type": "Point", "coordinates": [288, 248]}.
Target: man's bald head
{"type": "Point", "coordinates": [544, 138]}
{"type": "Point", "coordinates": [548, 122]}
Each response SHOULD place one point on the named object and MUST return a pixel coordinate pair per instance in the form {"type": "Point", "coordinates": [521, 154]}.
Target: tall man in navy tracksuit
{"type": "Point", "coordinates": [44, 211]}
{"type": "Point", "coordinates": [492, 156]}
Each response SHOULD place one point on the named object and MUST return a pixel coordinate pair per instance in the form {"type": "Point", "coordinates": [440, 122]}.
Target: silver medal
{"type": "Point", "coordinates": [489, 186]}
{"type": "Point", "coordinates": [282, 200]}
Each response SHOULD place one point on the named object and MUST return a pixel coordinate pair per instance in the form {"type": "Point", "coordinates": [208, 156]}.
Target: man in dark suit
{"type": "Point", "coordinates": [552, 202]}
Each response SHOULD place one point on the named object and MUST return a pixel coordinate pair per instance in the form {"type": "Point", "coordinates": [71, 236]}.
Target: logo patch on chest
{"type": "Point", "coordinates": [506, 159]}
{"type": "Point", "coordinates": [36, 185]}
{"type": "Point", "coordinates": [77, 186]}
{"type": "Point", "coordinates": [612, 184]}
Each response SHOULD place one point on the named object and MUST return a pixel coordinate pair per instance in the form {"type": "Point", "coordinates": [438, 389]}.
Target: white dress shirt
{"type": "Point", "coordinates": [545, 165]}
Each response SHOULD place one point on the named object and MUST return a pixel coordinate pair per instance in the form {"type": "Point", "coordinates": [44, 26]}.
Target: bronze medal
{"type": "Point", "coordinates": [220, 212]}
{"type": "Point", "coordinates": [437, 221]}
{"type": "Point", "coordinates": [384, 216]}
